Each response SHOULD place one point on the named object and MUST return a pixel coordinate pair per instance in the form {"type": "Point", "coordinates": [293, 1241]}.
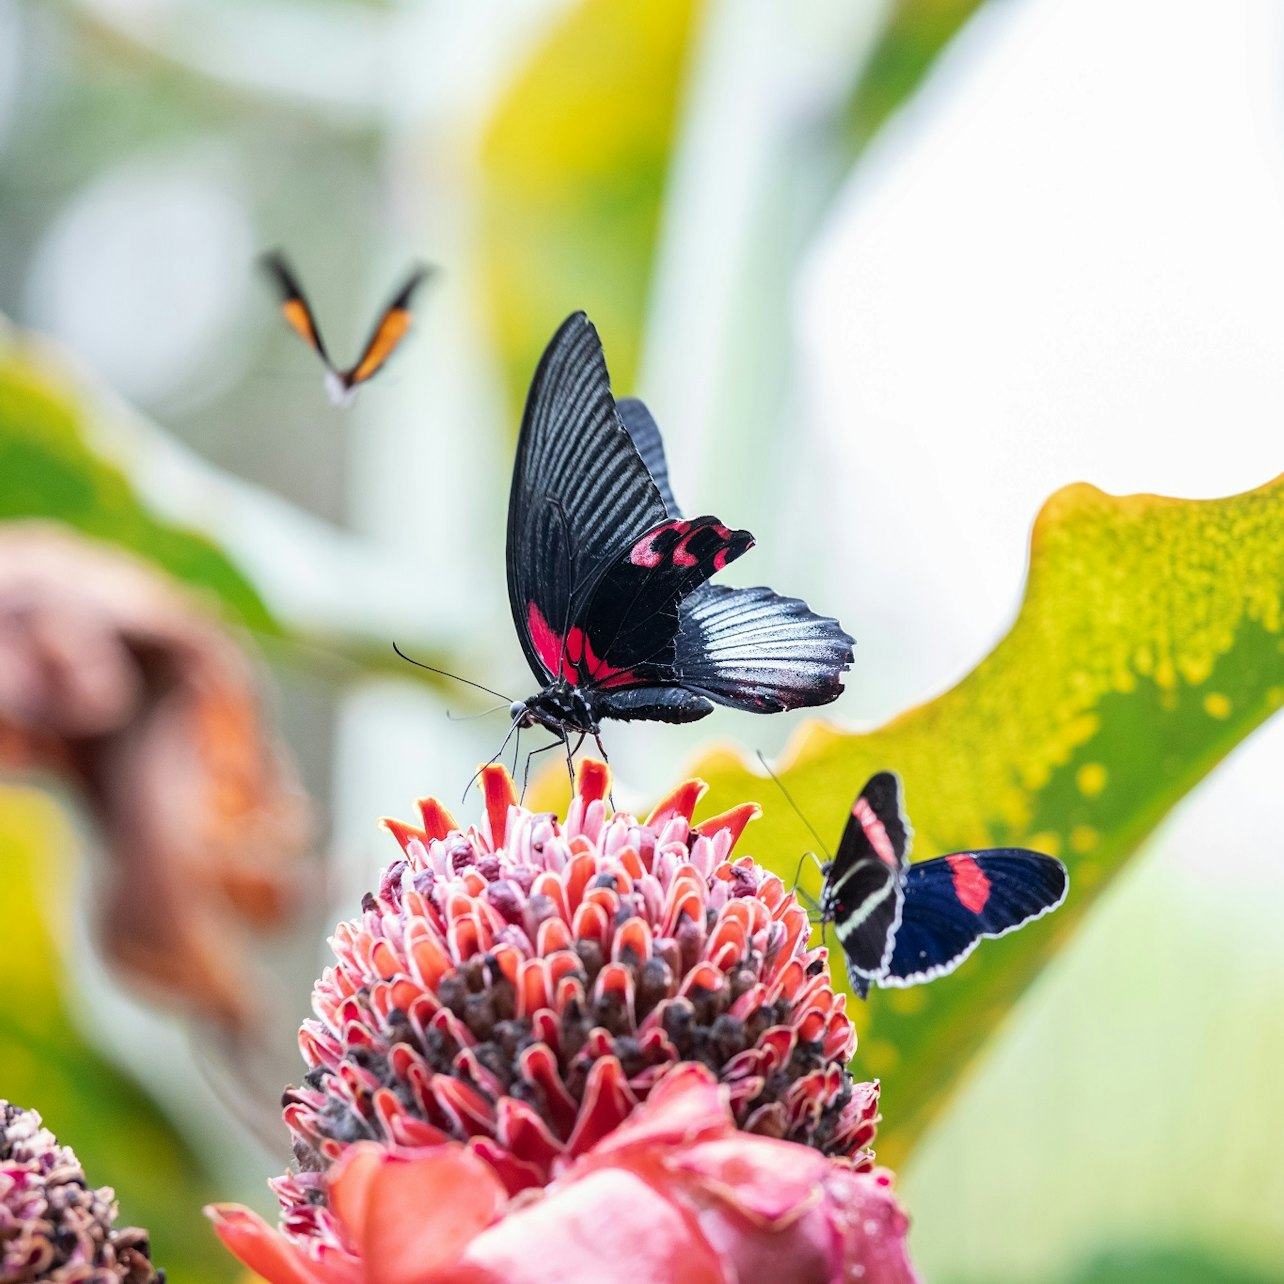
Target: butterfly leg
{"type": "Point", "coordinates": [526, 775]}
{"type": "Point", "coordinates": [570, 756]}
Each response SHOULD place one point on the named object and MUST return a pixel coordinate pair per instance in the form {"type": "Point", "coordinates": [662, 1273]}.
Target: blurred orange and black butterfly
{"type": "Point", "coordinates": [389, 330]}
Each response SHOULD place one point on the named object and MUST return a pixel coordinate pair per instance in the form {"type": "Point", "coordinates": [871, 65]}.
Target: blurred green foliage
{"type": "Point", "coordinates": [911, 38]}
{"type": "Point", "coordinates": [1150, 642]}
{"type": "Point", "coordinates": [117, 1132]}
{"type": "Point", "coordinates": [51, 469]}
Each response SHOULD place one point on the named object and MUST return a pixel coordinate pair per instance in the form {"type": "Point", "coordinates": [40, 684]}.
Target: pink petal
{"type": "Point", "coordinates": [412, 1216]}
{"type": "Point", "coordinates": [611, 1226]}
{"type": "Point", "coordinates": [768, 1180]}
{"type": "Point", "coordinates": [684, 1105]}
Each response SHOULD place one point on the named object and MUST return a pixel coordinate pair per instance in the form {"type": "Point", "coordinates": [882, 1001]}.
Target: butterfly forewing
{"type": "Point", "coordinates": [580, 490]}
{"type": "Point", "coordinates": [753, 649]}
{"type": "Point", "coordinates": [294, 305]}
{"type": "Point", "coordinates": [388, 332]}
{"type": "Point", "coordinates": [954, 901]}
{"type": "Point", "coordinates": [862, 894]}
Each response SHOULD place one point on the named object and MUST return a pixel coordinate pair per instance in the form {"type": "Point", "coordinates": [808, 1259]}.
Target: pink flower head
{"type": "Point", "coordinates": [514, 993]}
{"type": "Point", "coordinates": [675, 1194]}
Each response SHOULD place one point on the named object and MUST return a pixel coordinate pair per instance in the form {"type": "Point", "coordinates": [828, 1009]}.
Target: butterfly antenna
{"type": "Point", "coordinates": [797, 810]}
{"type": "Point", "coordinates": [472, 717]}
{"type": "Point", "coordinates": [445, 673]}
{"type": "Point", "coordinates": [806, 897]}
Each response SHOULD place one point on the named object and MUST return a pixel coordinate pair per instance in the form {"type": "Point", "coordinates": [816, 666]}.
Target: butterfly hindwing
{"type": "Point", "coordinates": [630, 622]}
{"type": "Point", "coordinates": [646, 437]}
{"type": "Point", "coordinates": [862, 895]}
{"type": "Point", "coordinates": [953, 901]}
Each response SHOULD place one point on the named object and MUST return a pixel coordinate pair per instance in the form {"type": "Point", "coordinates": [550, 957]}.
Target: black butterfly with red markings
{"type": "Point", "coordinates": [901, 924]}
{"type": "Point", "coordinates": [607, 579]}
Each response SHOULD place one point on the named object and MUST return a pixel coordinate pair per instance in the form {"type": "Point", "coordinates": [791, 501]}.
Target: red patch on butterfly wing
{"type": "Point", "coordinates": [573, 659]}
{"type": "Point", "coordinates": [876, 832]}
{"type": "Point", "coordinates": [682, 555]}
{"type": "Point", "coordinates": [580, 649]}
{"type": "Point", "coordinates": [971, 885]}
{"type": "Point", "coordinates": [547, 644]}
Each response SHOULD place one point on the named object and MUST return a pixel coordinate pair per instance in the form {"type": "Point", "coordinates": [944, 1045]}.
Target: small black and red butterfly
{"type": "Point", "coordinates": [389, 330]}
{"type": "Point", "coordinates": [608, 581]}
{"type": "Point", "coordinates": [901, 924]}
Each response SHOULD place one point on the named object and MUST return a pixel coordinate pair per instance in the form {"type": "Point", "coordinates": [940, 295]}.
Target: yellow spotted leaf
{"type": "Point", "coordinates": [1149, 643]}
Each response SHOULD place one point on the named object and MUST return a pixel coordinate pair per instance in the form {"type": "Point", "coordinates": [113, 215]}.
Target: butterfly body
{"type": "Point", "coordinates": [341, 385]}
{"type": "Point", "coordinates": [608, 579]}
{"type": "Point", "coordinates": [901, 924]}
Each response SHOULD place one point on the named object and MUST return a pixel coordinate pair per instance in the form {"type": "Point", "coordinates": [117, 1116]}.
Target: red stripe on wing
{"type": "Point", "coordinates": [971, 885]}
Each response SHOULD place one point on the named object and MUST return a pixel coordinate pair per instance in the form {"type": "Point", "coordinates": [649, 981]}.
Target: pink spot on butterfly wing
{"type": "Point", "coordinates": [737, 542]}
{"type": "Point", "coordinates": [876, 832]}
{"type": "Point", "coordinates": [645, 553]}
{"type": "Point", "coordinates": [733, 543]}
{"type": "Point", "coordinates": [971, 885]}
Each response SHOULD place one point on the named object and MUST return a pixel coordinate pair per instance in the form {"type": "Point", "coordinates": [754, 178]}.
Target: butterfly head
{"type": "Point", "coordinates": [560, 707]}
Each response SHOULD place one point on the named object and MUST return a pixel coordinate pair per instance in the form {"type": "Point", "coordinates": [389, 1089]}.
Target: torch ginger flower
{"type": "Point", "coordinates": [675, 1193]}
{"type": "Point", "coordinates": [493, 1049]}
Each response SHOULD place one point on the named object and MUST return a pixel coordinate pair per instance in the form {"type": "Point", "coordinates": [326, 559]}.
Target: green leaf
{"type": "Point", "coordinates": [52, 470]}
{"type": "Point", "coordinates": [574, 165]}
{"type": "Point", "coordinates": [912, 38]}
{"type": "Point", "coordinates": [1149, 644]}
{"type": "Point", "coordinates": [117, 1132]}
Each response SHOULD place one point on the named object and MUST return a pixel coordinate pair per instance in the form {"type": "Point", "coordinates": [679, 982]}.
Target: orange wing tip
{"type": "Point", "coordinates": [392, 328]}
{"type": "Point", "coordinates": [681, 802]}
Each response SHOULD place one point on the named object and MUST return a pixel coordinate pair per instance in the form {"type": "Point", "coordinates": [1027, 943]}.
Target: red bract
{"type": "Point", "coordinates": [675, 1195]}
